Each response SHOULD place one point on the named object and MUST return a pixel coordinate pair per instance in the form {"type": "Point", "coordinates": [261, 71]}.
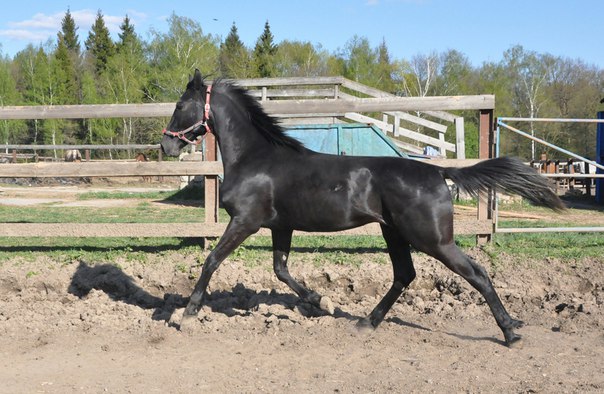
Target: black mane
{"type": "Point", "coordinates": [265, 124]}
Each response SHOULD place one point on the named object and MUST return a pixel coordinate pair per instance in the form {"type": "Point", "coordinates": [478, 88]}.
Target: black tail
{"type": "Point", "coordinates": [508, 175]}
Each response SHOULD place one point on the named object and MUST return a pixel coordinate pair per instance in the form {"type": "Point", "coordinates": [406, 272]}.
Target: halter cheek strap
{"type": "Point", "coordinates": [203, 122]}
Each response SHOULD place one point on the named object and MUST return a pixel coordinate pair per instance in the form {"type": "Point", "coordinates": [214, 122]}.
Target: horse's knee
{"type": "Point", "coordinates": [280, 268]}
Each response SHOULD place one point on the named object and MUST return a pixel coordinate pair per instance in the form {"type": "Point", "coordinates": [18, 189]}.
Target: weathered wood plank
{"type": "Point", "coordinates": [83, 146]}
{"type": "Point", "coordinates": [402, 131]}
{"type": "Point", "coordinates": [460, 139]}
{"type": "Point", "coordinates": [369, 91]}
{"type": "Point", "coordinates": [293, 107]}
{"type": "Point", "coordinates": [420, 121]}
{"type": "Point", "coordinates": [453, 162]}
{"type": "Point", "coordinates": [288, 81]}
{"type": "Point", "coordinates": [408, 147]}
{"type": "Point", "coordinates": [109, 169]}
{"type": "Point", "coordinates": [442, 115]}
{"type": "Point", "coordinates": [89, 111]}
{"type": "Point", "coordinates": [285, 93]}
{"type": "Point", "coordinates": [381, 104]}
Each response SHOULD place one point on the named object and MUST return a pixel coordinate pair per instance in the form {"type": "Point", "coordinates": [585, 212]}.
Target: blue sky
{"type": "Point", "coordinates": [482, 30]}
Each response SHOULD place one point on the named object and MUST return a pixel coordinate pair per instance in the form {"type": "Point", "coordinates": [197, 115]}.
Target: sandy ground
{"type": "Point", "coordinates": [93, 327]}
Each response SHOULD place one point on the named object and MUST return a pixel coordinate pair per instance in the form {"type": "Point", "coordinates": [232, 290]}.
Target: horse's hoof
{"type": "Point", "coordinates": [188, 323]}
{"type": "Point", "coordinates": [326, 305]}
{"type": "Point", "coordinates": [364, 326]}
{"type": "Point", "coordinates": [512, 340]}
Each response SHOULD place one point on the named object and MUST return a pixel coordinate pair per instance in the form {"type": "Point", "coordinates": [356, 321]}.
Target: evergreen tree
{"type": "Point", "coordinates": [65, 73]}
{"type": "Point", "coordinates": [69, 31]}
{"type": "Point", "coordinates": [234, 59]}
{"type": "Point", "coordinates": [99, 45]}
{"type": "Point", "coordinates": [385, 69]}
{"type": "Point", "coordinates": [127, 35]}
{"type": "Point", "coordinates": [264, 53]}
{"type": "Point", "coordinates": [127, 75]}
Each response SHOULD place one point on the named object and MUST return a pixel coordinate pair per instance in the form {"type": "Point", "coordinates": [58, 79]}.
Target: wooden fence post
{"type": "Point", "coordinates": [211, 182]}
{"type": "Point", "coordinates": [485, 151]}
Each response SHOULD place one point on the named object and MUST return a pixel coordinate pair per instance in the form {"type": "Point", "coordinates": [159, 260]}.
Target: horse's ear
{"type": "Point", "coordinates": [197, 80]}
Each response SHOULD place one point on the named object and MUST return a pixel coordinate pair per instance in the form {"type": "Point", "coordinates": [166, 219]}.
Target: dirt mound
{"type": "Point", "coordinates": [97, 327]}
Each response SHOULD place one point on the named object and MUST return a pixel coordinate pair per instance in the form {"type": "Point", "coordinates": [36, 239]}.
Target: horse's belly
{"type": "Point", "coordinates": [323, 216]}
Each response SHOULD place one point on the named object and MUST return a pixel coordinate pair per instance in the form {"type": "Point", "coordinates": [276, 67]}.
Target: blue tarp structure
{"type": "Point", "coordinates": [352, 139]}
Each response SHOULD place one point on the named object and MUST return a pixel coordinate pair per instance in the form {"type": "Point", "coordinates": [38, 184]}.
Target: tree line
{"type": "Point", "coordinates": [132, 70]}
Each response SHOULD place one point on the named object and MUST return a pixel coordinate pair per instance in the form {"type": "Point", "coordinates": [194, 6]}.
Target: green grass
{"type": "Point", "coordinates": [67, 250]}
{"type": "Point", "coordinates": [564, 246]}
{"type": "Point", "coordinates": [143, 212]}
{"type": "Point", "coordinates": [190, 193]}
{"type": "Point", "coordinates": [104, 195]}
{"type": "Point", "coordinates": [314, 249]}
{"type": "Point", "coordinates": [318, 250]}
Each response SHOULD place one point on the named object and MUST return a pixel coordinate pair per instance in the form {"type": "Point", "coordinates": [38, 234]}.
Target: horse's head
{"type": "Point", "coordinates": [189, 118]}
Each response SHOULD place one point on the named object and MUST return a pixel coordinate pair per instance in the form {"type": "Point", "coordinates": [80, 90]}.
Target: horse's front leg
{"type": "Point", "coordinates": [234, 235]}
{"type": "Point", "coordinates": [281, 246]}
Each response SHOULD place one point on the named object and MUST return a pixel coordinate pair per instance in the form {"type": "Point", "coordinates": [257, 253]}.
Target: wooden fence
{"type": "Point", "coordinates": [339, 107]}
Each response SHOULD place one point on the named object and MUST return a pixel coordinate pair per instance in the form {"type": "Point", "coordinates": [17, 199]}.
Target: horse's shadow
{"type": "Point", "coordinates": [121, 287]}
{"type": "Point", "coordinates": [239, 301]}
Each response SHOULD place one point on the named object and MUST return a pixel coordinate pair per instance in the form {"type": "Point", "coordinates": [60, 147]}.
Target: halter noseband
{"type": "Point", "coordinates": [203, 122]}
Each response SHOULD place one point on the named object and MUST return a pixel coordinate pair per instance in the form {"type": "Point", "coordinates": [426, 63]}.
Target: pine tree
{"type": "Point", "coordinates": [70, 36]}
{"type": "Point", "coordinates": [99, 45]}
{"type": "Point", "coordinates": [384, 69]}
{"type": "Point", "coordinates": [234, 59]}
{"type": "Point", "coordinates": [264, 54]}
{"type": "Point", "coordinates": [65, 74]}
{"type": "Point", "coordinates": [126, 75]}
{"type": "Point", "coordinates": [126, 34]}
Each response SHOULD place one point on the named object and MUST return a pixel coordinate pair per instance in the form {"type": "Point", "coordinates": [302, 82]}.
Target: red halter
{"type": "Point", "coordinates": [203, 122]}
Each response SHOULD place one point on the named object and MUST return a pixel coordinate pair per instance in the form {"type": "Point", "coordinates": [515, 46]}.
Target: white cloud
{"type": "Point", "coordinates": [41, 26]}
{"type": "Point", "coordinates": [26, 35]}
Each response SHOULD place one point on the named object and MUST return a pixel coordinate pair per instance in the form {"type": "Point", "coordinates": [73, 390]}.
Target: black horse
{"type": "Point", "coordinates": [272, 181]}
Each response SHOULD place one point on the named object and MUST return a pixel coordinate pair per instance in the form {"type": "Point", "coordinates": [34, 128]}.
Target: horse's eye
{"type": "Point", "coordinates": [179, 105]}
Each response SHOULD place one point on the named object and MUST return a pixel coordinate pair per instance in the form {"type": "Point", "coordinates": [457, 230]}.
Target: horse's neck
{"type": "Point", "coordinates": [239, 142]}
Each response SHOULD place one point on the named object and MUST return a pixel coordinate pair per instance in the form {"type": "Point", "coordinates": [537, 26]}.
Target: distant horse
{"type": "Point", "coordinates": [272, 181]}
{"type": "Point", "coordinates": [73, 155]}
{"type": "Point", "coordinates": [141, 157]}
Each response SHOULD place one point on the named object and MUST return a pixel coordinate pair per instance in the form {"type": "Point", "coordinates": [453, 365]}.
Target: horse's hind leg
{"type": "Point", "coordinates": [282, 240]}
{"type": "Point", "coordinates": [404, 273]}
{"type": "Point", "coordinates": [462, 264]}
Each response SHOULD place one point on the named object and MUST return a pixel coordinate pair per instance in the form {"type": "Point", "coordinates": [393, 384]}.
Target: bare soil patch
{"type": "Point", "coordinates": [95, 327]}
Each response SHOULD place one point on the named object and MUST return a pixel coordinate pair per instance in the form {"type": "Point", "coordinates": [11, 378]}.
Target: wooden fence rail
{"type": "Point", "coordinates": [209, 229]}
{"type": "Point", "coordinates": [333, 103]}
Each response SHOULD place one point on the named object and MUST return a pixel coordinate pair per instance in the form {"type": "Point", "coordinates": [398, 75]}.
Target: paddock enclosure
{"type": "Point", "coordinates": [296, 102]}
{"type": "Point", "coordinates": [69, 324]}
